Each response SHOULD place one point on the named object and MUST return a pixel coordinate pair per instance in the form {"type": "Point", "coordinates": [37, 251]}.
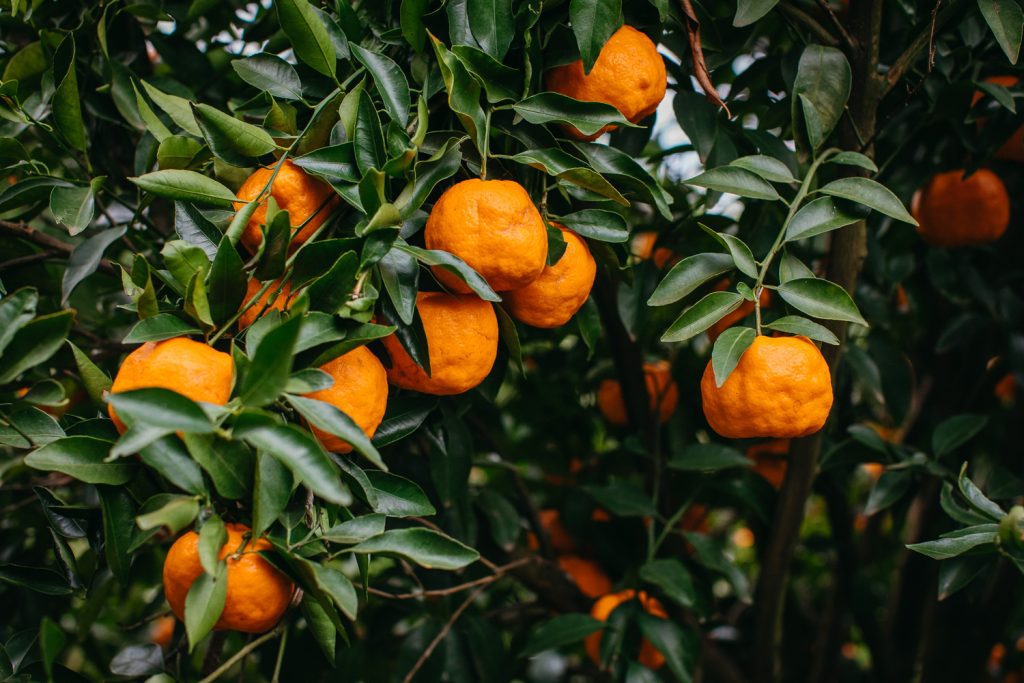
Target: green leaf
{"type": "Point", "coordinates": [597, 224]}
{"type": "Point", "coordinates": [454, 265]}
{"type": "Point", "coordinates": [566, 167]}
{"type": "Point", "coordinates": [729, 348]}
{"type": "Point", "coordinates": [320, 626]}
{"type": "Point", "coordinates": [560, 631]}
{"type": "Point", "coordinates": [184, 261]}
{"type": "Point", "coordinates": [821, 299]}
{"type": "Point", "coordinates": [463, 94]}
{"type": "Point", "coordinates": [83, 458]}
{"type": "Point", "coordinates": [307, 34]}
{"type": "Point", "coordinates": [230, 139]}
{"type": "Point", "coordinates": [51, 641]}
{"type": "Point", "coordinates": [118, 529]}
{"type": "Point", "coordinates": [212, 538]}
{"type": "Point", "coordinates": [73, 207]}
{"type": "Point", "coordinates": [270, 74]}
{"type": "Point", "coordinates": [889, 488]}
{"type": "Point", "coordinates": [27, 427]}
{"type": "Point", "coordinates": [855, 159]}
{"type": "Point", "coordinates": [67, 103]}
{"type": "Point", "coordinates": [172, 461]}
{"type": "Point", "coordinates": [593, 23]}
{"type": "Point", "coordinates": [500, 82]}
{"type": "Point", "coordinates": [85, 259]}
{"type": "Point", "coordinates": [688, 274]}
{"type": "Point", "coordinates": [702, 315]}
{"type": "Point", "coordinates": [178, 108]}
{"type": "Point", "coordinates": [390, 81]}
{"type": "Point", "coordinates": [707, 457]}
{"type": "Point", "coordinates": [622, 499]}
{"type": "Point", "coordinates": [749, 11]}
{"type": "Point", "coordinates": [330, 419]}
{"type": "Point", "coordinates": [816, 218]}
{"type": "Point", "coordinates": [338, 587]}
{"type": "Point", "coordinates": [158, 328]}
{"type": "Point", "coordinates": [976, 498]}
{"type": "Point", "coordinates": [411, 18]}
{"type": "Point", "coordinates": [958, 573]}
{"type": "Point", "coordinates": [195, 228]}
{"type": "Point", "coordinates": [492, 24]}
{"type": "Point", "coordinates": [737, 181]}
{"type": "Point", "coordinates": [273, 488]}
{"type": "Point", "coordinates": [1006, 19]}
{"type": "Point", "coordinates": [34, 343]}
{"type": "Point", "coordinates": [39, 579]}
{"type": "Point", "coordinates": [425, 547]}
{"type": "Point", "coordinates": [187, 186]}
{"type": "Point", "coordinates": [161, 408]}
{"type": "Point", "coordinates": [871, 194]}
{"type": "Point", "coordinates": [303, 456]}
{"type": "Point", "coordinates": [946, 548]}
{"type": "Point", "coordinates": [794, 324]}
{"type": "Point", "coordinates": [331, 291]}
{"type": "Point", "coordinates": [672, 578]}
{"type": "Point", "coordinates": [680, 648]}
{"type": "Point", "coordinates": [403, 417]}
{"type": "Point", "coordinates": [956, 431]}
{"type": "Point", "coordinates": [398, 497]}
{"type": "Point", "coordinates": [441, 166]}
{"type": "Point", "coordinates": [16, 310]}
{"type": "Point", "coordinates": [226, 283]}
{"type": "Point", "coordinates": [792, 268]}
{"type": "Point", "coordinates": [586, 117]}
{"type": "Point", "coordinates": [204, 604]}
{"type": "Point", "coordinates": [93, 378]}
{"type": "Point", "coordinates": [821, 89]}
{"type": "Point", "coordinates": [356, 530]}
{"type": "Point", "coordinates": [271, 365]}
{"type": "Point", "coordinates": [769, 168]}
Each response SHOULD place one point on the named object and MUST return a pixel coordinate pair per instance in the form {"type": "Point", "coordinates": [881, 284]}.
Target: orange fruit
{"type": "Point", "coordinates": [586, 574]}
{"type": "Point", "coordinates": [874, 470]}
{"type": "Point", "coordinates": [360, 391]}
{"type": "Point", "coordinates": [553, 298]}
{"type": "Point", "coordinates": [551, 522]}
{"type": "Point", "coordinates": [494, 227]}
{"type": "Point", "coordinates": [1013, 148]}
{"type": "Point", "coordinates": [643, 248]}
{"type": "Point", "coordinates": [695, 518]}
{"type": "Point", "coordinates": [1006, 389]}
{"type": "Point", "coordinates": [730, 319]}
{"type": "Point", "coordinates": [193, 369]}
{"type": "Point", "coordinates": [308, 201]}
{"type": "Point", "coordinates": [462, 339]}
{"type": "Point", "coordinates": [661, 389]}
{"type": "Point", "coordinates": [649, 656]}
{"type": "Point", "coordinates": [890, 434]}
{"type": "Point", "coordinates": [257, 593]}
{"type": "Point", "coordinates": [161, 631]}
{"type": "Point", "coordinates": [957, 212]}
{"type": "Point", "coordinates": [260, 307]}
{"type": "Point", "coordinates": [771, 458]}
{"type": "Point", "coordinates": [781, 388]}
{"type": "Point", "coordinates": [629, 74]}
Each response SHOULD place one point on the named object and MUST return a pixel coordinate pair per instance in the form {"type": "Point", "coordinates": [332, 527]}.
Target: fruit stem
{"type": "Point", "coordinates": [805, 188]}
{"type": "Point", "coordinates": [486, 151]}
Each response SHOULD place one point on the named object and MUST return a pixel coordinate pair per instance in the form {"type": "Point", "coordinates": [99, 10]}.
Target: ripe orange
{"type": "Point", "coordinates": [257, 593]}
{"type": "Point", "coordinates": [771, 458]}
{"type": "Point", "coordinates": [745, 309]}
{"type": "Point", "coordinates": [553, 298]}
{"type": "Point", "coordinates": [695, 518]}
{"type": "Point", "coordinates": [781, 388]}
{"type": "Point", "coordinates": [161, 631]}
{"type": "Point", "coordinates": [193, 369]}
{"type": "Point", "coordinates": [587, 574]}
{"type": "Point", "coordinates": [874, 470]}
{"type": "Point", "coordinates": [957, 212]}
{"type": "Point", "coordinates": [629, 74]}
{"type": "Point", "coordinates": [257, 309]}
{"type": "Point", "coordinates": [643, 248]}
{"type": "Point", "coordinates": [307, 200]}
{"type": "Point", "coordinates": [360, 391]}
{"type": "Point", "coordinates": [494, 227]}
{"type": "Point", "coordinates": [551, 522]}
{"type": "Point", "coordinates": [1013, 148]}
{"type": "Point", "coordinates": [462, 338]}
{"type": "Point", "coordinates": [649, 656]}
{"type": "Point", "coordinates": [661, 389]}
{"type": "Point", "coordinates": [1006, 389]}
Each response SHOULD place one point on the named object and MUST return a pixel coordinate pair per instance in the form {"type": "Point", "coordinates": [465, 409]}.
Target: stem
{"type": "Point", "coordinates": [794, 206]}
{"type": "Point", "coordinates": [280, 657]}
{"type": "Point", "coordinates": [441, 635]}
{"type": "Point", "coordinates": [234, 659]}
{"type": "Point", "coordinates": [486, 151]}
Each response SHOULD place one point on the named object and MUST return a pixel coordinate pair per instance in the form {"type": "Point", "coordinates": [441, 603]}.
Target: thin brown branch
{"type": "Point", "coordinates": [30, 234]}
{"type": "Point", "coordinates": [924, 39]}
{"type": "Point", "coordinates": [28, 259]}
{"type": "Point", "coordinates": [500, 573]}
{"type": "Point", "coordinates": [796, 14]}
{"type": "Point", "coordinates": [442, 634]}
{"type": "Point", "coordinates": [700, 67]}
{"type": "Point", "coordinates": [848, 40]}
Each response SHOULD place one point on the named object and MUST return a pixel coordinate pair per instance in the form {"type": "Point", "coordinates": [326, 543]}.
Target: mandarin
{"type": "Point", "coordinates": [360, 390]}
{"type": "Point", "coordinates": [661, 389]}
{"type": "Point", "coordinates": [553, 298]}
{"type": "Point", "coordinates": [953, 211]}
{"type": "Point", "coordinates": [649, 656]}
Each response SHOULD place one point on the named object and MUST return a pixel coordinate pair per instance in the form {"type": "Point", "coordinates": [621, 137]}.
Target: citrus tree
{"type": "Point", "coordinates": [510, 340]}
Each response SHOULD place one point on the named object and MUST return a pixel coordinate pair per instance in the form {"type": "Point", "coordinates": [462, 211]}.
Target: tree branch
{"type": "Point", "coordinates": [442, 634]}
{"type": "Point", "coordinates": [30, 234]}
{"type": "Point", "coordinates": [810, 23]}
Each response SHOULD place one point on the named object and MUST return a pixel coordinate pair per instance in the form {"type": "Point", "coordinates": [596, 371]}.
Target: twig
{"type": "Point", "coordinates": [27, 259]}
{"type": "Point", "coordinates": [847, 38]}
{"type": "Point", "coordinates": [809, 22]}
{"type": "Point", "coordinates": [500, 573]}
{"type": "Point", "coordinates": [924, 39]}
{"type": "Point", "coordinates": [234, 659]}
{"type": "Point", "coordinates": [441, 634]}
{"type": "Point", "coordinates": [25, 232]}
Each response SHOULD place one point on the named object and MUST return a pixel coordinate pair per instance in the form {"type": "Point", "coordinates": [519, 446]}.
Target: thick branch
{"type": "Point", "coordinates": [25, 232]}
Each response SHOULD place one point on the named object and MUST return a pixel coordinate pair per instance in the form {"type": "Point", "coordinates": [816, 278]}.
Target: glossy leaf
{"type": "Point", "coordinates": [425, 547]}
{"type": "Point", "coordinates": [820, 299]}
{"type": "Point", "coordinates": [871, 194]}
{"type": "Point", "coordinates": [702, 315]}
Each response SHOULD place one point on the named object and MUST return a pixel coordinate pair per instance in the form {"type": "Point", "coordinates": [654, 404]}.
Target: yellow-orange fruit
{"type": "Point", "coordinates": [629, 74]}
{"type": "Point", "coordinates": [558, 535]}
{"type": "Point", "coordinates": [781, 388]}
{"type": "Point", "coordinates": [957, 212]}
{"type": "Point", "coordinates": [308, 201]}
{"type": "Point", "coordinates": [193, 369]}
{"type": "Point", "coordinates": [257, 593]}
{"type": "Point", "coordinates": [162, 631]}
{"type": "Point", "coordinates": [360, 390]}
{"type": "Point", "coordinates": [462, 339]}
{"type": "Point", "coordinates": [643, 248]}
{"type": "Point", "coordinates": [771, 458]}
{"type": "Point", "coordinates": [649, 656]}
{"type": "Point", "coordinates": [553, 298]}
{"type": "Point", "coordinates": [1006, 389]}
{"type": "Point", "coordinates": [661, 389]}
{"type": "Point", "coordinates": [1013, 148]}
{"type": "Point", "coordinates": [586, 574]}
{"type": "Point", "coordinates": [260, 307]}
{"type": "Point", "coordinates": [494, 227]}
